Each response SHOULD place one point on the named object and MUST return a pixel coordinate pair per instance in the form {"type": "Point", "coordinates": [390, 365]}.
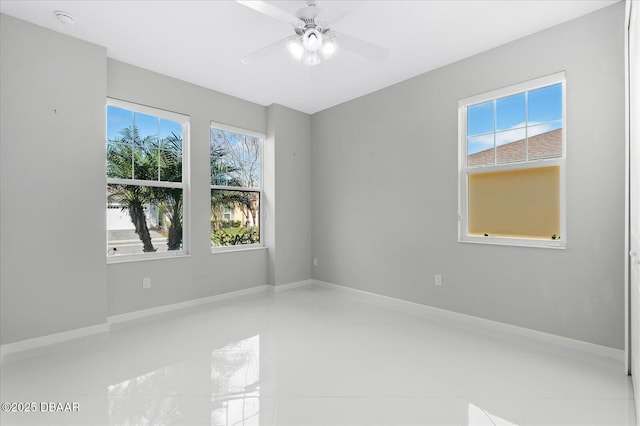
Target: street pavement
{"type": "Point", "coordinates": [126, 241]}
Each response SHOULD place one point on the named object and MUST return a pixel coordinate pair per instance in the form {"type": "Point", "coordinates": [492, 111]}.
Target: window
{"type": "Point", "coordinates": [512, 159]}
{"type": "Point", "coordinates": [146, 181]}
{"type": "Point", "coordinates": [235, 159]}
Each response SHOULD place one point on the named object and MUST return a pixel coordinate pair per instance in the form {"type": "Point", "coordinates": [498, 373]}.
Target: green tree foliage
{"type": "Point", "coordinates": [235, 162]}
{"type": "Point", "coordinates": [235, 236]}
{"type": "Point", "coordinates": [124, 156]}
{"type": "Point", "coordinates": [131, 156]}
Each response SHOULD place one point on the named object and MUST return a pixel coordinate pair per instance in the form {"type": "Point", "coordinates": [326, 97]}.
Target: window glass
{"type": "Point", "coordinates": [235, 218]}
{"type": "Point", "coordinates": [510, 112]}
{"type": "Point", "coordinates": [145, 190]}
{"type": "Point", "coordinates": [117, 119]}
{"type": "Point", "coordinates": [146, 127]}
{"type": "Point", "coordinates": [511, 179]}
{"type": "Point", "coordinates": [169, 130]}
{"type": "Point", "coordinates": [514, 127]}
{"type": "Point", "coordinates": [545, 104]}
{"type": "Point", "coordinates": [480, 150]}
{"type": "Point", "coordinates": [235, 164]}
{"type": "Point", "coordinates": [143, 219]}
{"type": "Point", "coordinates": [480, 119]}
{"type": "Point", "coordinates": [235, 159]}
{"type": "Point", "coordinates": [545, 140]}
{"type": "Point", "coordinates": [510, 146]}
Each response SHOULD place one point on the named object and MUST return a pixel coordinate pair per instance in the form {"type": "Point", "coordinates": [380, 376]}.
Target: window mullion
{"type": "Point", "coordinates": [133, 146]}
{"type": "Point", "coordinates": [234, 188]}
{"type": "Point", "coordinates": [158, 147]}
{"type": "Point", "coordinates": [495, 126]}
{"type": "Point", "coordinates": [148, 183]}
{"type": "Point", "coordinates": [526, 126]}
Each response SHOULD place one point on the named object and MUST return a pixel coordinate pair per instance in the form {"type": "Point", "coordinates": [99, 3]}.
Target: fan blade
{"type": "Point", "coordinates": [271, 11]}
{"type": "Point", "coordinates": [270, 49]}
{"type": "Point", "coordinates": [361, 47]}
{"type": "Point", "coordinates": [337, 12]}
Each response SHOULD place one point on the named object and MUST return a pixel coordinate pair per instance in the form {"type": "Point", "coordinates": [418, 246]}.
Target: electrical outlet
{"type": "Point", "coordinates": [315, 261]}
{"type": "Point", "coordinates": [437, 279]}
{"type": "Point", "coordinates": [146, 282]}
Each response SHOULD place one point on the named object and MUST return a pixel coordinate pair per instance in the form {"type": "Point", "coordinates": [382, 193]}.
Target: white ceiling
{"type": "Point", "coordinates": [202, 41]}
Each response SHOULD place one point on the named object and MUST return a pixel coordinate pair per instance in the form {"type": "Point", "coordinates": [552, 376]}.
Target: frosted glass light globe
{"type": "Point", "coordinates": [312, 39]}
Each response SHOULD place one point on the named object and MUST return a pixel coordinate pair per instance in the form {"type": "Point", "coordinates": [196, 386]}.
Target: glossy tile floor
{"type": "Point", "coordinates": [313, 356]}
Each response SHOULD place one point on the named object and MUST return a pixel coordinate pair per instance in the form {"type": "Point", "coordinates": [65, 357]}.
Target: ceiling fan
{"type": "Point", "coordinates": [314, 40]}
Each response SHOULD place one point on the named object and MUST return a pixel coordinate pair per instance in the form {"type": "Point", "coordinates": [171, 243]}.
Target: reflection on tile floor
{"type": "Point", "coordinates": [312, 357]}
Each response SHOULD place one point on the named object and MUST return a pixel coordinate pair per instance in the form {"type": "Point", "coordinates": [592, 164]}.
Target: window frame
{"type": "Point", "coordinates": [260, 190]}
{"type": "Point", "coordinates": [464, 171]}
{"type": "Point", "coordinates": [184, 185]}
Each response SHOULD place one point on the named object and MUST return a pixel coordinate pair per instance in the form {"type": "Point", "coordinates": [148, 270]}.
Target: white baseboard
{"type": "Point", "coordinates": [52, 339]}
{"type": "Point", "coordinates": [66, 336]}
{"type": "Point", "coordinates": [531, 336]}
{"type": "Point", "coordinates": [135, 315]}
{"type": "Point", "coordinates": [523, 334]}
{"type": "Point", "coordinates": [291, 286]}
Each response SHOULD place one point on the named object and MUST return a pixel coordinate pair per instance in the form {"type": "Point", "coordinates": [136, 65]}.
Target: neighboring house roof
{"type": "Point", "coordinates": [544, 145]}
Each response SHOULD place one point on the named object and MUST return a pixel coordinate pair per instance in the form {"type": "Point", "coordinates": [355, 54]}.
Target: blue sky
{"type": "Point", "coordinates": [148, 125]}
{"type": "Point", "coordinates": [544, 114]}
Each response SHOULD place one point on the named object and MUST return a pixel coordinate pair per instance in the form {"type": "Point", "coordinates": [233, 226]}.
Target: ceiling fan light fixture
{"type": "Point", "coordinates": [312, 39]}
{"type": "Point", "coordinates": [296, 49]}
{"type": "Point", "coordinates": [311, 58]}
{"type": "Point", "coordinates": [328, 48]}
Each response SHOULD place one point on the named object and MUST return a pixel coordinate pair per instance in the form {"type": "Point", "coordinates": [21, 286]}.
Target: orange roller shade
{"type": "Point", "coordinates": [516, 203]}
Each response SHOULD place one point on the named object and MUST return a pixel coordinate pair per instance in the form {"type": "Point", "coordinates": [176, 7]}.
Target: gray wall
{"type": "Point", "coordinates": [384, 190]}
{"type": "Point", "coordinates": [288, 201]}
{"type": "Point", "coordinates": [383, 185]}
{"type": "Point", "coordinates": [287, 159]}
{"type": "Point", "coordinates": [52, 156]}
{"type": "Point", "coordinates": [54, 275]}
{"type": "Point", "coordinates": [202, 273]}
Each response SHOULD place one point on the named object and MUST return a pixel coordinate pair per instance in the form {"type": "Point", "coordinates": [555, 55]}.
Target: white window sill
{"type": "Point", "coordinates": [231, 249]}
{"type": "Point", "coordinates": [144, 257]}
{"type": "Point", "coordinates": [516, 242]}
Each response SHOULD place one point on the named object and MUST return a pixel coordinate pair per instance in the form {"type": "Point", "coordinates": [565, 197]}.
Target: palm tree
{"type": "Point", "coordinates": [133, 198]}
{"type": "Point", "coordinates": [170, 166]}
{"type": "Point", "coordinates": [127, 159]}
